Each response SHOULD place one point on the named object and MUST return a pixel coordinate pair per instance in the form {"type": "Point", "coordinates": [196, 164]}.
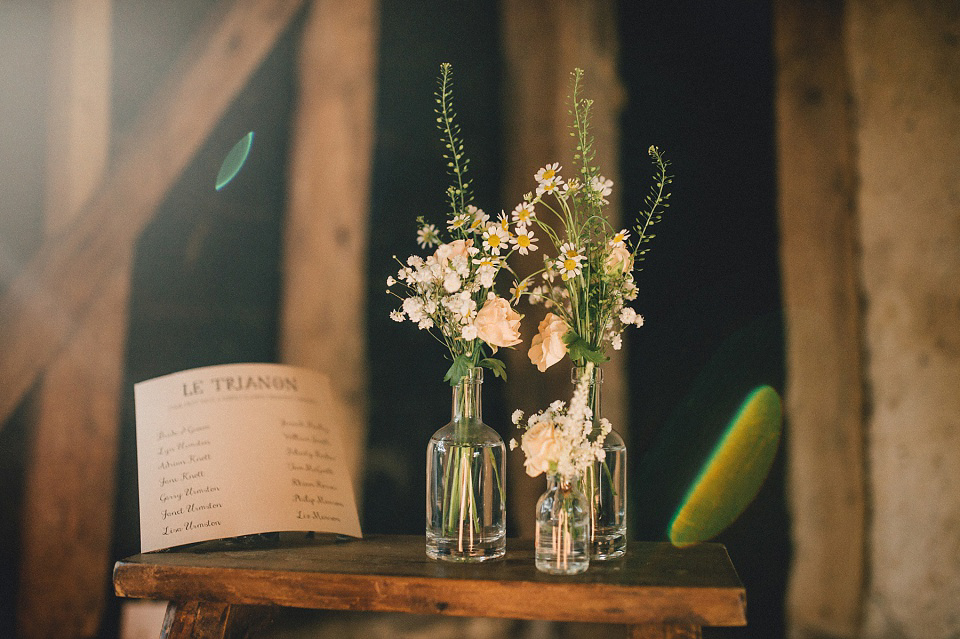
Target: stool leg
{"type": "Point", "coordinates": [665, 631]}
{"type": "Point", "coordinates": [195, 620]}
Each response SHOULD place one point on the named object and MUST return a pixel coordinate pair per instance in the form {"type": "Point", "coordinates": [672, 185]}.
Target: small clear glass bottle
{"type": "Point", "coordinates": [605, 482]}
{"type": "Point", "coordinates": [466, 498]}
{"type": "Point", "coordinates": [562, 545]}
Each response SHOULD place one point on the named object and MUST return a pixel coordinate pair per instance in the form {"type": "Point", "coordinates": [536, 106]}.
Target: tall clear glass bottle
{"type": "Point", "coordinates": [562, 545]}
{"type": "Point", "coordinates": [605, 482]}
{"type": "Point", "coordinates": [466, 498]}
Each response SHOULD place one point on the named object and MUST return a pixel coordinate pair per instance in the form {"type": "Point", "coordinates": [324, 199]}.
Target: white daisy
{"type": "Point", "coordinates": [504, 221]}
{"type": "Point", "coordinates": [495, 238]}
{"type": "Point", "coordinates": [478, 219]}
{"type": "Point", "coordinates": [620, 238]}
{"type": "Point", "coordinates": [458, 222]}
{"type": "Point", "coordinates": [523, 214]}
{"type": "Point", "coordinates": [427, 236]}
{"type": "Point", "coordinates": [524, 241]}
{"type": "Point", "coordinates": [549, 172]}
{"type": "Point", "coordinates": [568, 263]}
{"type": "Point", "coordinates": [549, 186]}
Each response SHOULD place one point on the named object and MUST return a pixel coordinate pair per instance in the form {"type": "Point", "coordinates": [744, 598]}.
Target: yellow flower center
{"type": "Point", "coordinates": [494, 240]}
{"type": "Point", "coordinates": [548, 174]}
{"type": "Point", "coordinates": [569, 265]}
{"type": "Point", "coordinates": [523, 241]}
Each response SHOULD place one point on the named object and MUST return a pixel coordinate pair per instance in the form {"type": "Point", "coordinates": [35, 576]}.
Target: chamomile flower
{"type": "Point", "coordinates": [519, 288]}
{"type": "Point", "coordinates": [495, 239]}
{"type": "Point", "coordinates": [524, 241]}
{"type": "Point", "coordinates": [549, 172]}
{"type": "Point", "coordinates": [523, 214]}
{"type": "Point", "coordinates": [620, 238]}
{"type": "Point", "coordinates": [427, 236]}
{"type": "Point", "coordinates": [478, 219]}
{"type": "Point", "coordinates": [458, 222]}
{"type": "Point", "coordinates": [549, 186]}
{"type": "Point", "coordinates": [504, 221]}
{"type": "Point", "coordinates": [568, 263]}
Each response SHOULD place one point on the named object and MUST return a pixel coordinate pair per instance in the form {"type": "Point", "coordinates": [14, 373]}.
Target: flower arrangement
{"type": "Point", "coordinates": [586, 283]}
{"type": "Point", "coordinates": [451, 292]}
{"type": "Point", "coordinates": [560, 440]}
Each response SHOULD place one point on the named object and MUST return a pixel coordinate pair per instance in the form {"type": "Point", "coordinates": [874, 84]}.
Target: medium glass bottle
{"type": "Point", "coordinates": [466, 498]}
{"type": "Point", "coordinates": [605, 482]}
{"type": "Point", "coordinates": [562, 545]}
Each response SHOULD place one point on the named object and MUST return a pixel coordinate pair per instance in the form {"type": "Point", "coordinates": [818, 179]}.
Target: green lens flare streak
{"type": "Point", "coordinates": [733, 473]}
{"type": "Point", "coordinates": [234, 160]}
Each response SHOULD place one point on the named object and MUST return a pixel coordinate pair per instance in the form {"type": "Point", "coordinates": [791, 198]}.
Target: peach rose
{"type": "Point", "coordinates": [547, 347]}
{"type": "Point", "coordinates": [452, 249]}
{"type": "Point", "coordinates": [539, 445]}
{"type": "Point", "coordinates": [619, 260]}
{"type": "Point", "coordinates": [497, 323]}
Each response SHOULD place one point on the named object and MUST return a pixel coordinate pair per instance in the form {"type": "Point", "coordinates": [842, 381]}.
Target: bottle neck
{"type": "Point", "coordinates": [466, 397]}
{"type": "Point", "coordinates": [593, 376]}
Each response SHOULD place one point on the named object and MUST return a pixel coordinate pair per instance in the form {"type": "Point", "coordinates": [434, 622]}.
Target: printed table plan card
{"type": "Point", "coordinates": [238, 449]}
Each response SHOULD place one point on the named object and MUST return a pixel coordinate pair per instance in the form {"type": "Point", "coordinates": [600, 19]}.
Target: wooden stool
{"type": "Point", "coordinates": [659, 590]}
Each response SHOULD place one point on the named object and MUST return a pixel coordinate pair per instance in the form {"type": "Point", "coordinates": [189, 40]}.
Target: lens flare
{"type": "Point", "coordinates": [234, 161]}
{"type": "Point", "coordinates": [734, 472]}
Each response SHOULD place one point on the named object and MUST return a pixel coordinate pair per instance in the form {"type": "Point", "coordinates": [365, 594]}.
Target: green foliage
{"type": "Point", "coordinates": [460, 367]}
{"type": "Point", "coordinates": [459, 193]}
{"type": "Point", "coordinates": [656, 201]}
{"type": "Point", "coordinates": [580, 351]}
{"type": "Point", "coordinates": [495, 366]}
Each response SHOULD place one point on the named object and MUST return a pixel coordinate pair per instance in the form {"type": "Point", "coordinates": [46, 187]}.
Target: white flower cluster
{"type": "Point", "coordinates": [452, 289]}
{"type": "Point", "coordinates": [562, 440]}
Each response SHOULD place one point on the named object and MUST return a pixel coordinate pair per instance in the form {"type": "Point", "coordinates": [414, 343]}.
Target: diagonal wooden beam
{"type": "Point", "coordinates": [47, 301]}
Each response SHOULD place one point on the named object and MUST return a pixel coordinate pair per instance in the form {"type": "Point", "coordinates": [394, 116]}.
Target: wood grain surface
{"type": "Point", "coordinates": [655, 583]}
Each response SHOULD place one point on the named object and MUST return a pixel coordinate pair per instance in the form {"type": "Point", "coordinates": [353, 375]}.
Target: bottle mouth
{"type": "Point", "coordinates": [577, 371]}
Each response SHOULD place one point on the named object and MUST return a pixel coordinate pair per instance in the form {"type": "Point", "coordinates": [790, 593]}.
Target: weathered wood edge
{"type": "Point", "coordinates": [536, 597]}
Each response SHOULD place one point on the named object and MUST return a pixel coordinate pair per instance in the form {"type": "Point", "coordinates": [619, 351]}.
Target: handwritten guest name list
{"type": "Point", "coordinates": [238, 449]}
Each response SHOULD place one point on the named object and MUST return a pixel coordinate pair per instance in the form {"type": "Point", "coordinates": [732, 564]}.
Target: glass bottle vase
{"type": "Point", "coordinates": [466, 503]}
{"type": "Point", "coordinates": [604, 483]}
{"type": "Point", "coordinates": [562, 545]}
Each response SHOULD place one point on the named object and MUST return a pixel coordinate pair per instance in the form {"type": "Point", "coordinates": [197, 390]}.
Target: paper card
{"type": "Point", "coordinates": [238, 449]}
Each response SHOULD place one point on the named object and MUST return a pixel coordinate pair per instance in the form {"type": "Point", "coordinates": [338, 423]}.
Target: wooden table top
{"type": "Point", "coordinates": [653, 583]}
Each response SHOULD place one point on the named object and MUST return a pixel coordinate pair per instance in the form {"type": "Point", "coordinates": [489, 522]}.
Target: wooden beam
{"type": "Point", "coordinates": [325, 260]}
{"type": "Point", "coordinates": [820, 267]}
{"type": "Point", "coordinates": [75, 419]}
{"type": "Point", "coordinates": [47, 301]}
{"type": "Point", "coordinates": [541, 49]}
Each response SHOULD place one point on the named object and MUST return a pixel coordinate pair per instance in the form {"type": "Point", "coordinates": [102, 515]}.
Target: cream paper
{"type": "Point", "coordinates": [238, 449]}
